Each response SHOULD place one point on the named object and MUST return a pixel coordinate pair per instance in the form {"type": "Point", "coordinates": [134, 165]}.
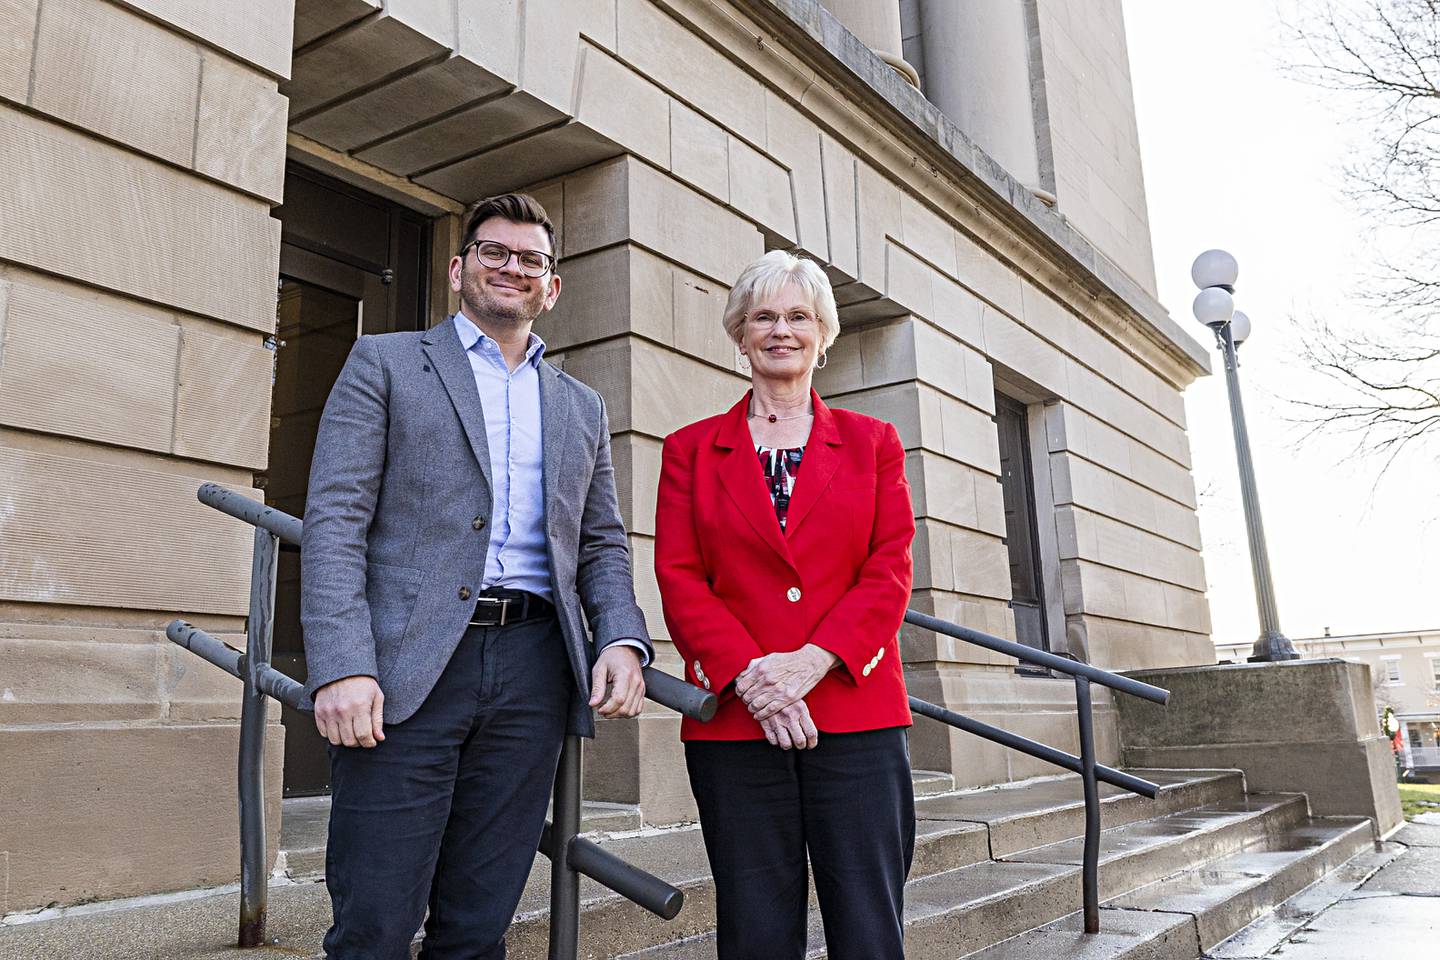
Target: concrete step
{"type": "Point", "coordinates": [1124, 935]}
{"type": "Point", "coordinates": [1029, 814]}
{"type": "Point", "coordinates": [1274, 927]}
{"type": "Point", "coordinates": [1227, 894]}
{"type": "Point", "coordinates": [1135, 854]}
{"type": "Point", "coordinates": [1175, 917]}
{"type": "Point", "coordinates": [971, 907]}
{"type": "Point", "coordinates": [930, 782]}
{"type": "Point", "coordinates": [1178, 918]}
{"type": "Point", "coordinates": [956, 832]}
{"type": "Point", "coordinates": [953, 830]}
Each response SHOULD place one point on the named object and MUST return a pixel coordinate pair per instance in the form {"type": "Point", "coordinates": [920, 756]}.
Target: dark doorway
{"type": "Point", "coordinates": [1017, 486]}
{"type": "Point", "coordinates": [350, 263]}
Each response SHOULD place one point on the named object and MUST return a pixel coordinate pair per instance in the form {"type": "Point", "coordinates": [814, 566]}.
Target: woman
{"type": "Point", "coordinates": [782, 549]}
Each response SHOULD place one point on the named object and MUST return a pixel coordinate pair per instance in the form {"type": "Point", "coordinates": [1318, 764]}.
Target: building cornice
{"type": "Point", "coordinates": [1128, 313]}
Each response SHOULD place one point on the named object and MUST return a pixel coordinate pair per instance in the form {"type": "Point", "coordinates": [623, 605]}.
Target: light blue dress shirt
{"type": "Point", "coordinates": [517, 558]}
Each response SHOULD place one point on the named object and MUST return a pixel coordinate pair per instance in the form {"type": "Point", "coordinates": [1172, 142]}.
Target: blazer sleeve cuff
{"type": "Point", "coordinates": [859, 662]}
{"type": "Point", "coordinates": [717, 671]}
{"type": "Point", "coordinates": [646, 652]}
{"type": "Point", "coordinates": [338, 668]}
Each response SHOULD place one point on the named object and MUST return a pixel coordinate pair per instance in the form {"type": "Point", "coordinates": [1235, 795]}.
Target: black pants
{"type": "Point", "coordinates": [446, 812]}
{"type": "Point", "coordinates": [849, 802]}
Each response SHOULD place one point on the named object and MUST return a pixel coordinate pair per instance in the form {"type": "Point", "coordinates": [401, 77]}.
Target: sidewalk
{"type": "Point", "coordinates": [1393, 915]}
{"type": "Point", "coordinates": [198, 928]}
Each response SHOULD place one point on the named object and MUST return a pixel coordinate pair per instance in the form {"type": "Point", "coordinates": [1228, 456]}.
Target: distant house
{"type": "Point", "coordinates": [1405, 669]}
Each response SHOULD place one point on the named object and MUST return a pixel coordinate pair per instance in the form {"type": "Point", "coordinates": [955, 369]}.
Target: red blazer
{"type": "Point", "coordinates": [735, 587]}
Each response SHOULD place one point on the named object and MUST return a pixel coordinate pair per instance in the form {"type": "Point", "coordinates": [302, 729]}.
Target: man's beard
{"type": "Point", "coordinates": [515, 312]}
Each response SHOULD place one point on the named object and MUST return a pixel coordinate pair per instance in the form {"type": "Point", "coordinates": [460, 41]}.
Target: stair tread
{"type": "Point", "coordinates": [678, 856]}
{"type": "Point", "coordinates": [1016, 801]}
{"type": "Point", "coordinates": [1206, 886]}
{"type": "Point", "coordinates": [1260, 849]}
{"type": "Point", "coordinates": [956, 906]}
{"type": "Point", "coordinates": [971, 886]}
{"type": "Point", "coordinates": [929, 782]}
{"type": "Point", "coordinates": [1133, 838]}
{"type": "Point", "coordinates": [1272, 929]}
{"type": "Point", "coordinates": [961, 850]}
{"type": "Point", "coordinates": [1123, 934]}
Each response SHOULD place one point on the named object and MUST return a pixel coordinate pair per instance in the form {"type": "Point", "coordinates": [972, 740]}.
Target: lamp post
{"type": "Point", "coordinates": [1215, 272]}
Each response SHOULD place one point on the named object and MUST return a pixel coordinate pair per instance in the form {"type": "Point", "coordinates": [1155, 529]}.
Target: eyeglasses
{"type": "Point", "coordinates": [493, 254]}
{"type": "Point", "coordinates": [764, 319]}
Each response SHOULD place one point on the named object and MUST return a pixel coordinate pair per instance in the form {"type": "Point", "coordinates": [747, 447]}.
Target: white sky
{"type": "Point", "coordinates": [1240, 156]}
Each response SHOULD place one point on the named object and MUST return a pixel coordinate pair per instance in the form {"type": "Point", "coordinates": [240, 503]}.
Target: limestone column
{"type": "Point", "coordinates": [978, 72]}
{"type": "Point", "coordinates": [877, 24]}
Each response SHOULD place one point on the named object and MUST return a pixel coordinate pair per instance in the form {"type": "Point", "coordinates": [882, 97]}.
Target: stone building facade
{"type": "Point", "coordinates": [203, 202]}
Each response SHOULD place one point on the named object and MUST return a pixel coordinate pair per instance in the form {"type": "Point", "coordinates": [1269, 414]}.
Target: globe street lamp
{"type": "Point", "coordinates": [1215, 272]}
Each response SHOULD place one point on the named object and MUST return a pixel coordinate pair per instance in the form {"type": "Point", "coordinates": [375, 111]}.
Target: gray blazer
{"type": "Point", "coordinates": [397, 521]}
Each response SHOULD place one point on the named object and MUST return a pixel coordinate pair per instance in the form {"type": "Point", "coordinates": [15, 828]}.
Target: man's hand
{"type": "Point", "coordinates": [618, 668]}
{"type": "Point", "coordinates": [791, 728]}
{"type": "Point", "coordinates": [772, 683]}
{"type": "Point", "coordinates": [349, 712]}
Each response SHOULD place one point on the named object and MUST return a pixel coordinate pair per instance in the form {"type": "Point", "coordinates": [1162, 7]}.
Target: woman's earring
{"type": "Point", "coordinates": [743, 362]}
{"type": "Point", "coordinates": [824, 359]}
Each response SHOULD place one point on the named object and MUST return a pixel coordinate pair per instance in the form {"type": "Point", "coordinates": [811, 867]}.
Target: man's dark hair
{"type": "Point", "coordinates": [515, 207]}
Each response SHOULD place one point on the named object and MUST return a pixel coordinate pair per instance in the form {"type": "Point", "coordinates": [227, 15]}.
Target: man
{"type": "Point", "coordinates": [460, 517]}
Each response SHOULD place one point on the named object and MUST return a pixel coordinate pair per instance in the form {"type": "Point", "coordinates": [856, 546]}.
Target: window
{"type": "Point", "coordinates": [1435, 673]}
{"type": "Point", "coordinates": [1390, 669]}
{"type": "Point", "coordinates": [1018, 491]}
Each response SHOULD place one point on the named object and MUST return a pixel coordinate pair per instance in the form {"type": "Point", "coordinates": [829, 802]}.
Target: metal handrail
{"type": "Point", "coordinates": [1090, 771]}
{"type": "Point", "coordinates": [570, 854]}
{"type": "Point", "coordinates": [1041, 658]}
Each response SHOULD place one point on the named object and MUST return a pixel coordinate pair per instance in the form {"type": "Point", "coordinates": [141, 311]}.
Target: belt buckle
{"type": "Point", "coordinates": [503, 603]}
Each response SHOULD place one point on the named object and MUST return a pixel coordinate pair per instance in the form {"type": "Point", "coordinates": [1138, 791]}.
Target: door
{"type": "Point", "coordinates": [1017, 487]}
{"type": "Point", "coordinates": [350, 263]}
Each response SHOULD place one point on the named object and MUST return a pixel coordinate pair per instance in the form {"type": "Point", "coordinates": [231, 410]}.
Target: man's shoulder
{"type": "Point", "coordinates": [586, 395]}
{"type": "Point", "coordinates": [387, 344]}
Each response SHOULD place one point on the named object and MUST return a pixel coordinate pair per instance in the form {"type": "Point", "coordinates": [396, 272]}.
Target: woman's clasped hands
{"type": "Point", "coordinates": [774, 687]}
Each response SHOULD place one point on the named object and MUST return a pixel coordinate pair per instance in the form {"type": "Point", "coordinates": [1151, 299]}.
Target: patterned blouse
{"type": "Point", "coordinates": [781, 467]}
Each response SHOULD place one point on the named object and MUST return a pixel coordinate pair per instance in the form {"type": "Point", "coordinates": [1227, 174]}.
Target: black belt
{"type": "Point", "coordinates": [497, 608]}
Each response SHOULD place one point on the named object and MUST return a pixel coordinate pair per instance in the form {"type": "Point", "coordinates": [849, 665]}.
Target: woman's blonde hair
{"type": "Point", "coordinates": [766, 276]}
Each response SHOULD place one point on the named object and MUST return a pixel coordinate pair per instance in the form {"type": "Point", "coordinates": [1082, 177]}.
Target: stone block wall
{"type": "Point", "coordinates": [1093, 139]}
{"type": "Point", "coordinates": [141, 150]}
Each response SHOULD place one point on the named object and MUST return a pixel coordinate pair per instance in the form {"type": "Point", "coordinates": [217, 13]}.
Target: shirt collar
{"type": "Point", "coordinates": [471, 335]}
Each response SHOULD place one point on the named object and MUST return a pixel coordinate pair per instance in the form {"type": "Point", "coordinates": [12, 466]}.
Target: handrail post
{"type": "Point", "coordinates": [564, 881]}
{"type": "Point", "coordinates": [259, 632]}
{"type": "Point", "coordinates": [1090, 868]}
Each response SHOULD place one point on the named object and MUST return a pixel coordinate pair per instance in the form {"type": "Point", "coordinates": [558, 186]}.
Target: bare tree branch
{"type": "Point", "coordinates": [1383, 385]}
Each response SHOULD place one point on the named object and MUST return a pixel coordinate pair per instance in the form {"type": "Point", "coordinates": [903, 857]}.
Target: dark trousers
{"type": "Point", "coordinates": [849, 803]}
{"type": "Point", "coordinates": [446, 812]}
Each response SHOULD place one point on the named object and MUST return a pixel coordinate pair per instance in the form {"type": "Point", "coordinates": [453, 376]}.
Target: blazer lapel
{"type": "Point", "coordinates": [816, 467]}
{"type": "Point", "coordinates": [742, 479]}
{"type": "Point", "coordinates": [442, 346]}
{"type": "Point", "coordinates": [555, 419]}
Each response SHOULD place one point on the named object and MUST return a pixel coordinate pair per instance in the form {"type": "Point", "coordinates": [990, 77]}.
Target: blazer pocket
{"type": "Point", "coordinates": [392, 593]}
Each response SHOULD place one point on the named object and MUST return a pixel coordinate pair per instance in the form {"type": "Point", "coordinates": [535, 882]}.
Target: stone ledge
{"type": "Point", "coordinates": [1305, 725]}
